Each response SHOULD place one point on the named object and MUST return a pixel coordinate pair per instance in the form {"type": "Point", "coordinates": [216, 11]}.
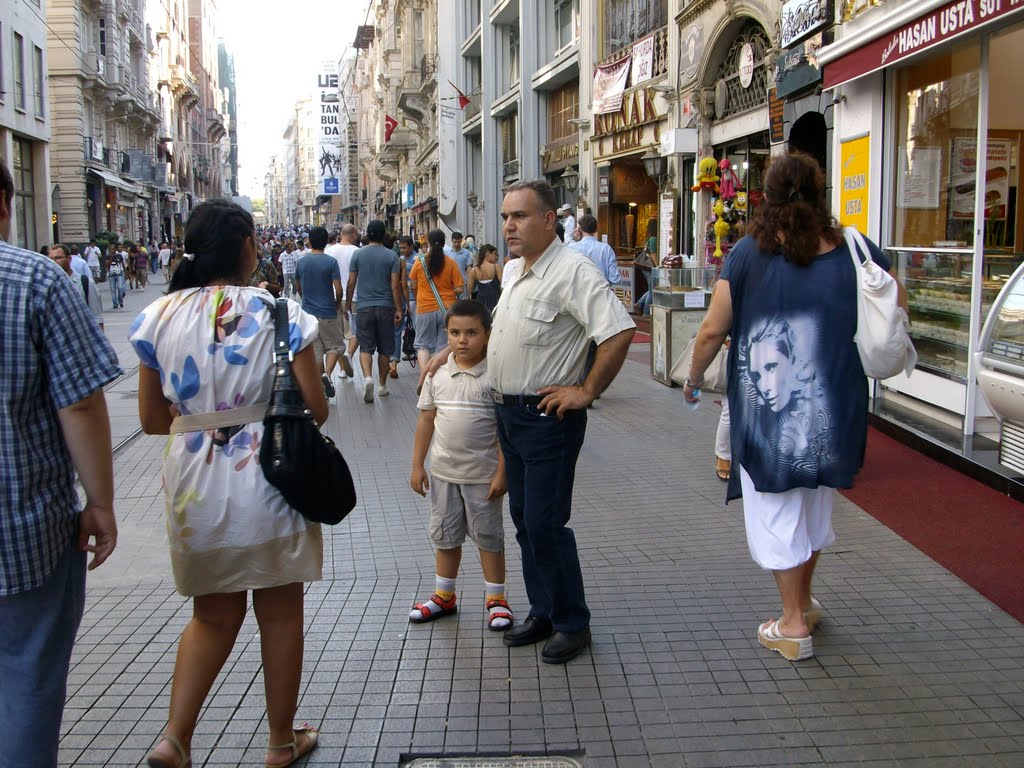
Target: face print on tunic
{"type": "Point", "coordinates": [791, 415]}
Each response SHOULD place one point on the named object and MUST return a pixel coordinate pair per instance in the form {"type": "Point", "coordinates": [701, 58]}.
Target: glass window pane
{"type": "Point", "coordinates": [936, 135]}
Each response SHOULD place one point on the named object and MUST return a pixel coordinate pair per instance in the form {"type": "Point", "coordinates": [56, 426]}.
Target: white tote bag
{"type": "Point", "coordinates": [883, 328]}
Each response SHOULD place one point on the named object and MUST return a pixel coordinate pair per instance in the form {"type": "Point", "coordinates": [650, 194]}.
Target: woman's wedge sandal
{"type": "Point", "coordinates": [499, 615]}
{"type": "Point", "coordinates": [792, 648]}
{"type": "Point", "coordinates": [153, 760]}
{"type": "Point", "coordinates": [722, 468]}
{"type": "Point", "coordinates": [312, 736]}
{"type": "Point", "coordinates": [434, 608]}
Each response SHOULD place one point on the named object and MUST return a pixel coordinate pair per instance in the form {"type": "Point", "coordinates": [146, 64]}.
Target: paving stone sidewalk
{"type": "Point", "coordinates": [913, 667]}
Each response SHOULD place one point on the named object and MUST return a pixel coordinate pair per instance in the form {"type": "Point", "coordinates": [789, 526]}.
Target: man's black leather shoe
{"type": "Point", "coordinates": [531, 631]}
{"type": "Point", "coordinates": [564, 646]}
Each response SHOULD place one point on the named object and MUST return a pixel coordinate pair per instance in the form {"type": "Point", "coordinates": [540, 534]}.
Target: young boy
{"type": "Point", "coordinates": [467, 471]}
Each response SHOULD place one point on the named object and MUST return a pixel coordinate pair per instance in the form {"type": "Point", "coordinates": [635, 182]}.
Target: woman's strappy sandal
{"type": "Point", "coordinates": [312, 735]}
{"type": "Point", "coordinates": [153, 760]}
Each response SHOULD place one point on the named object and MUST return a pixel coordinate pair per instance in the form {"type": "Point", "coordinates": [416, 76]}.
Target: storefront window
{"type": "Point", "coordinates": [937, 123]}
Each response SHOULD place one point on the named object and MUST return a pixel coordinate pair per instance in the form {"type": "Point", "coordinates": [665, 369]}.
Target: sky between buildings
{"type": "Point", "coordinates": [278, 45]}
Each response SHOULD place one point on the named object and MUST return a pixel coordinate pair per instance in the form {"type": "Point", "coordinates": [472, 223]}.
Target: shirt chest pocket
{"type": "Point", "coordinates": [539, 318]}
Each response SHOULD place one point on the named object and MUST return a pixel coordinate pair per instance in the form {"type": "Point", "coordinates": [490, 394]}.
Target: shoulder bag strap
{"type": "Point", "coordinates": [430, 281]}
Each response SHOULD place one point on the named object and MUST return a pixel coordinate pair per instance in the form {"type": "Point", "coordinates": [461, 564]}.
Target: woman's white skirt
{"type": "Point", "coordinates": [783, 529]}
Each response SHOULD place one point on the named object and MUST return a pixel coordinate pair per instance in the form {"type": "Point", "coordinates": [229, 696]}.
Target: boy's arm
{"type": "Point", "coordinates": [499, 482]}
{"type": "Point", "coordinates": [418, 481]}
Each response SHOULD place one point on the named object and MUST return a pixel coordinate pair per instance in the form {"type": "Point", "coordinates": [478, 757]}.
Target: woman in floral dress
{"type": "Point", "coordinates": [206, 348]}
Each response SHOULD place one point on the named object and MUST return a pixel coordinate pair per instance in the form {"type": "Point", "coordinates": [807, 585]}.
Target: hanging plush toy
{"type": "Point", "coordinates": [730, 181]}
{"type": "Point", "coordinates": [706, 176]}
{"type": "Point", "coordinates": [741, 203]}
{"type": "Point", "coordinates": [721, 227]}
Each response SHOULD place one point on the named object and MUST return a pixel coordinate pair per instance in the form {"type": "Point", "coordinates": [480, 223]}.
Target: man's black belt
{"type": "Point", "coordinates": [520, 400]}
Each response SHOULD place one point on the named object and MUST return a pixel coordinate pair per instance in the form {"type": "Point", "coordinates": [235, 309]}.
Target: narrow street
{"type": "Point", "coordinates": [912, 666]}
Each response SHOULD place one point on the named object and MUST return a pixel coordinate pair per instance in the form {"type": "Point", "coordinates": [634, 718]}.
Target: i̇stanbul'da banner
{"type": "Point", "coordinates": [609, 85]}
{"type": "Point", "coordinates": [327, 113]}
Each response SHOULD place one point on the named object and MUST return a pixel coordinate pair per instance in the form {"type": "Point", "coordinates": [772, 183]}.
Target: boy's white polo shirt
{"type": "Point", "coordinates": [465, 444]}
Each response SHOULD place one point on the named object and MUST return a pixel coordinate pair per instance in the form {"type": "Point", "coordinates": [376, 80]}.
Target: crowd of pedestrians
{"type": "Point", "coordinates": [510, 359]}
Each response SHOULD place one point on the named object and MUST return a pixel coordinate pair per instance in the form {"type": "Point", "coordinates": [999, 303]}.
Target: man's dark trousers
{"type": "Point", "coordinates": [540, 463]}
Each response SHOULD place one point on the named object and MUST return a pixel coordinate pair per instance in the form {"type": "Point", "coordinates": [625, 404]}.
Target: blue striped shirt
{"type": "Point", "coordinates": [53, 355]}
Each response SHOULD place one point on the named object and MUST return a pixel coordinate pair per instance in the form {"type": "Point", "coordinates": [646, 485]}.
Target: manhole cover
{"type": "Point", "coordinates": [492, 762]}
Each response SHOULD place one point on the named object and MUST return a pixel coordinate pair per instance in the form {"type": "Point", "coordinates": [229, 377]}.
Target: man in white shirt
{"type": "Point", "coordinates": [342, 253]}
{"type": "Point", "coordinates": [598, 252]}
{"type": "Point", "coordinates": [92, 258]}
{"type": "Point", "coordinates": [553, 303]}
{"type": "Point", "coordinates": [568, 223]}
{"type": "Point", "coordinates": [61, 255]}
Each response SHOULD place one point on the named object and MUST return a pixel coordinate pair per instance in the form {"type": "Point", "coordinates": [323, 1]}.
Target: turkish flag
{"type": "Point", "coordinates": [389, 127]}
{"type": "Point", "coordinates": [463, 98]}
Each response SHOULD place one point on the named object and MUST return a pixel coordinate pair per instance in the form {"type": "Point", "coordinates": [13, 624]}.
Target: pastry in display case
{"type": "Point", "coordinates": [939, 293]}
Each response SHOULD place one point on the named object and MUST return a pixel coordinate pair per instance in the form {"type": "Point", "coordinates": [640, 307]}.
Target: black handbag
{"type": "Point", "coordinates": [300, 461]}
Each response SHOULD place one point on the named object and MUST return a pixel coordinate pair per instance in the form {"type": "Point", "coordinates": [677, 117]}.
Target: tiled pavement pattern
{"type": "Point", "coordinates": [913, 668]}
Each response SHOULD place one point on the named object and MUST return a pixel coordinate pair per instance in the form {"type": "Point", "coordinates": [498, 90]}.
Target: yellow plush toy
{"type": "Point", "coordinates": [740, 204]}
{"type": "Point", "coordinates": [721, 227]}
{"type": "Point", "coordinates": [707, 176]}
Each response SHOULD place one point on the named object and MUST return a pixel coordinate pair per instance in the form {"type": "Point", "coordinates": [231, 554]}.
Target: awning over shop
{"type": "Point", "coordinates": [900, 36]}
{"type": "Point", "coordinates": [114, 181]}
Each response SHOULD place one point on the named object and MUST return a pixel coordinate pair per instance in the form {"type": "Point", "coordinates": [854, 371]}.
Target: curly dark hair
{"type": "Point", "coordinates": [794, 216]}
{"type": "Point", "coordinates": [215, 234]}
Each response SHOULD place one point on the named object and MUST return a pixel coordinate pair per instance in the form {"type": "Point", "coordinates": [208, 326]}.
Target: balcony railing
{"type": "Point", "coordinates": [428, 66]}
{"type": "Point", "coordinates": [660, 63]}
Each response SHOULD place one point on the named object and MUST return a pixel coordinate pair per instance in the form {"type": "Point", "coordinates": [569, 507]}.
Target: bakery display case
{"type": "Point", "coordinates": [686, 288]}
{"type": "Point", "coordinates": [679, 301]}
{"type": "Point", "coordinates": [939, 292]}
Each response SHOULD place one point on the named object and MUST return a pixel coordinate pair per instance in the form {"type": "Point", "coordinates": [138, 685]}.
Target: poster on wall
{"type": "Point", "coordinates": [854, 164]}
{"type": "Point", "coordinates": [919, 178]}
{"type": "Point", "coordinates": [643, 60]}
{"type": "Point", "coordinates": [963, 179]}
{"type": "Point", "coordinates": [327, 114]}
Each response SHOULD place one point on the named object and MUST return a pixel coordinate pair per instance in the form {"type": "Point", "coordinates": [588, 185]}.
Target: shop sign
{"type": "Point", "coordinates": [946, 22]}
{"type": "Point", "coordinates": [746, 65]}
{"type": "Point", "coordinates": [643, 60]}
{"type": "Point", "coordinates": [559, 154]}
{"type": "Point", "coordinates": [408, 195]}
{"type": "Point", "coordinates": [798, 67]}
{"type": "Point", "coordinates": [802, 17]}
{"type": "Point", "coordinates": [692, 51]}
{"type": "Point", "coordinates": [776, 118]}
{"type": "Point", "coordinates": [603, 186]}
{"type": "Point", "coordinates": [609, 85]}
{"type": "Point", "coordinates": [630, 127]}
{"type": "Point", "coordinates": [854, 164]}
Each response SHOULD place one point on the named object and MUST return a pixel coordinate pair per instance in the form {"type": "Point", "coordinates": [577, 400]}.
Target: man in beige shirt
{"type": "Point", "coordinates": [554, 301]}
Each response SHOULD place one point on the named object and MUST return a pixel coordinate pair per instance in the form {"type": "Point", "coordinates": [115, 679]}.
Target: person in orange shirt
{"type": "Point", "coordinates": [437, 283]}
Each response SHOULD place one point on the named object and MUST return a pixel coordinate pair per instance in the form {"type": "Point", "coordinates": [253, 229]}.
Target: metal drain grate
{"type": "Point", "coordinates": [492, 762]}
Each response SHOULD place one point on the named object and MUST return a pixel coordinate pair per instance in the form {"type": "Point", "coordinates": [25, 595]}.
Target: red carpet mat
{"type": "Point", "coordinates": [972, 530]}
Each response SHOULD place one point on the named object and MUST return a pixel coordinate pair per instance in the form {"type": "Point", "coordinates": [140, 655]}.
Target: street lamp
{"type": "Point", "coordinates": [571, 180]}
{"type": "Point", "coordinates": [654, 165]}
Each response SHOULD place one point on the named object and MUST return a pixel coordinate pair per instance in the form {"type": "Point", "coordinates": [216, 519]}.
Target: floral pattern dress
{"type": "Point", "coordinates": [229, 529]}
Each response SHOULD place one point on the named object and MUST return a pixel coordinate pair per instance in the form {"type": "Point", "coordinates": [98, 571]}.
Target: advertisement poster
{"type": "Point", "coordinates": [963, 180]}
{"type": "Point", "coordinates": [854, 164]}
{"type": "Point", "coordinates": [327, 113]}
{"type": "Point", "coordinates": [919, 178]}
{"type": "Point", "coordinates": [666, 226]}
{"type": "Point", "coordinates": [609, 85]}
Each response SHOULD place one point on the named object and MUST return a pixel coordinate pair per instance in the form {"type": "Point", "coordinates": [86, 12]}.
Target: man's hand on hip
{"type": "Point", "coordinates": [558, 400]}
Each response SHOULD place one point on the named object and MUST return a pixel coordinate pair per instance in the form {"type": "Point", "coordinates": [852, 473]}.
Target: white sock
{"type": "Point", "coordinates": [496, 592]}
{"type": "Point", "coordinates": [444, 588]}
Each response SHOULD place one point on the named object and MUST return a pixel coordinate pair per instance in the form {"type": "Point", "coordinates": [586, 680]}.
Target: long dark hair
{"type": "Point", "coordinates": [485, 249]}
{"type": "Point", "coordinates": [435, 258]}
{"type": "Point", "coordinates": [795, 215]}
{"type": "Point", "coordinates": [214, 237]}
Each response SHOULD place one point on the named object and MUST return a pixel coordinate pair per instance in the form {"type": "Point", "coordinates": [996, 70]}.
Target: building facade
{"type": "Point", "coordinates": [25, 119]}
